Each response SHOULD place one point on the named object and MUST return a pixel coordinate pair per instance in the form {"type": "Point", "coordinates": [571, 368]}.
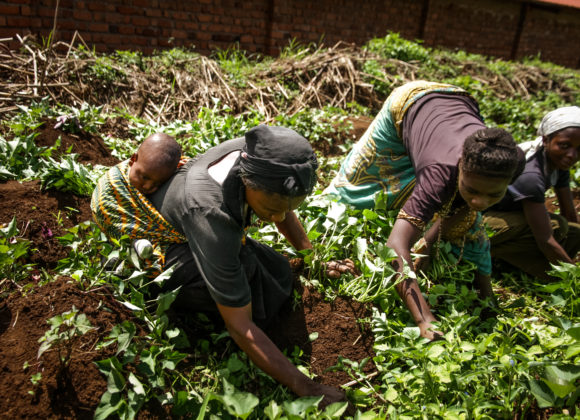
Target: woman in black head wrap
{"type": "Point", "coordinates": [211, 200]}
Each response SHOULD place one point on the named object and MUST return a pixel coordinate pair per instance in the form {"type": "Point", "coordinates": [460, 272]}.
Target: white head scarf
{"type": "Point", "coordinates": [558, 119]}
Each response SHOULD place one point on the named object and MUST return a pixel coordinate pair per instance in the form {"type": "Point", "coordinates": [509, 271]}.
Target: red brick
{"type": "Point", "coordinates": [111, 39]}
{"type": "Point", "coordinates": [100, 6]}
{"type": "Point", "coordinates": [127, 10]}
{"type": "Point", "coordinates": [147, 32]}
{"type": "Point", "coordinates": [113, 18]}
{"type": "Point", "coordinates": [45, 11]}
{"type": "Point", "coordinates": [82, 15]}
{"type": "Point", "coordinates": [153, 12]}
{"type": "Point", "coordinates": [9, 9]}
{"type": "Point", "coordinates": [152, 4]}
{"type": "Point", "coordinates": [203, 35]}
{"type": "Point", "coordinates": [187, 25]}
{"type": "Point", "coordinates": [98, 27]}
{"type": "Point", "coordinates": [139, 41]}
{"type": "Point", "coordinates": [126, 29]}
{"type": "Point", "coordinates": [68, 25]}
{"type": "Point", "coordinates": [215, 28]}
{"type": "Point", "coordinates": [177, 34]}
{"type": "Point", "coordinates": [9, 32]}
{"type": "Point", "coordinates": [25, 10]}
{"type": "Point", "coordinates": [140, 21]}
{"type": "Point", "coordinates": [2, 21]}
{"type": "Point", "coordinates": [204, 18]}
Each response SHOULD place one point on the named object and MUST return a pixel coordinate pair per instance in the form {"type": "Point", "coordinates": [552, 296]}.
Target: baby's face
{"type": "Point", "coordinates": [147, 175]}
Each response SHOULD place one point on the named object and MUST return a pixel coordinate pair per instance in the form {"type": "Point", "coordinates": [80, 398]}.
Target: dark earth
{"type": "Point", "coordinates": [25, 307]}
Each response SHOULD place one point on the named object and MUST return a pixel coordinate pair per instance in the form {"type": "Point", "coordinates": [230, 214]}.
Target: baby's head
{"type": "Point", "coordinates": [154, 162]}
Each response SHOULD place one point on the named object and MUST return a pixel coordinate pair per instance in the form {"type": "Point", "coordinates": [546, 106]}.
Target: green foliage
{"type": "Point", "coordinates": [212, 126]}
{"type": "Point", "coordinates": [88, 118]}
{"type": "Point", "coordinates": [296, 49]}
{"type": "Point", "coordinates": [317, 125]}
{"type": "Point", "coordinates": [65, 330]}
{"type": "Point", "coordinates": [13, 249]}
{"type": "Point", "coordinates": [174, 56]}
{"type": "Point", "coordinates": [69, 175]}
{"type": "Point", "coordinates": [239, 65]}
{"type": "Point", "coordinates": [105, 70]}
{"type": "Point", "coordinates": [21, 158]}
{"type": "Point", "coordinates": [394, 46]}
{"type": "Point", "coordinates": [492, 363]}
{"type": "Point", "coordinates": [131, 58]}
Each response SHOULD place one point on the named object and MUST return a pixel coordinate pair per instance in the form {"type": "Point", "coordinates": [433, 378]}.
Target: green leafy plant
{"type": "Point", "coordinates": [63, 335]}
{"type": "Point", "coordinates": [12, 250]}
{"type": "Point", "coordinates": [69, 175]}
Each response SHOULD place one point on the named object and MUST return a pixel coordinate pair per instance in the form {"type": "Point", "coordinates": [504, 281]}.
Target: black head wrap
{"type": "Point", "coordinates": [279, 160]}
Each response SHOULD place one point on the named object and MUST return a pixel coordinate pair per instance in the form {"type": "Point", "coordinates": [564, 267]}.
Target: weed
{"type": "Point", "coordinates": [65, 330]}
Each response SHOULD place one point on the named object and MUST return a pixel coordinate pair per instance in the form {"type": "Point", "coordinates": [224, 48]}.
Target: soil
{"type": "Point", "coordinates": [42, 216]}
{"type": "Point", "coordinates": [72, 392]}
{"type": "Point", "coordinates": [75, 391]}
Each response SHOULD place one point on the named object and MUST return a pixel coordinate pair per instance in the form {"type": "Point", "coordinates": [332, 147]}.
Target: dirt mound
{"type": "Point", "coordinates": [324, 330]}
{"type": "Point", "coordinates": [42, 216]}
{"type": "Point", "coordinates": [90, 148]}
{"type": "Point", "coordinates": [73, 392]}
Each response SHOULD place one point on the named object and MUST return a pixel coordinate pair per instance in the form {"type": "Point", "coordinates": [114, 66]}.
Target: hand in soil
{"type": "Point", "coordinates": [335, 269]}
{"type": "Point", "coordinates": [422, 264]}
{"type": "Point", "coordinates": [427, 331]}
{"type": "Point", "coordinates": [331, 395]}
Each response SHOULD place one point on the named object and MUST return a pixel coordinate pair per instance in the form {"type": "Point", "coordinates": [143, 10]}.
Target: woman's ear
{"type": "Point", "coordinates": [133, 159]}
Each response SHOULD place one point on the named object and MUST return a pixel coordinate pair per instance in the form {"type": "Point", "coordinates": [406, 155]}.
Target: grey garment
{"type": "Point", "coordinates": [269, 274]}
{"type": "Point", "coordinates": [211, 216]}
{"type": "Point", "coordinates": [434, 130]}
{"type": "Point", "coordinates": [533, 183]}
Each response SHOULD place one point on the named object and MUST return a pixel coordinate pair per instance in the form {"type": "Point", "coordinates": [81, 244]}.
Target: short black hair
{"type": "Point", "coordinates": [167, 150]}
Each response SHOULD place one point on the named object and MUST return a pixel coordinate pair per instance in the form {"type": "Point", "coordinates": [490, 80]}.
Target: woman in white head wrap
{"type": "Point", "coordinates": [526, 234]}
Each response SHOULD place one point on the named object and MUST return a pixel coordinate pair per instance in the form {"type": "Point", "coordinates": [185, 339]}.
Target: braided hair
{"type": "Point", "coordinates": [492, 152]}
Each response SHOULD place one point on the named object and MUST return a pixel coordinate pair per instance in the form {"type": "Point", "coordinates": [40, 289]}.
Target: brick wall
{"type": "Point", "coordinates": [552, 32]}
{"type": "Point", "coordinates": [503, 28]}
{"type": "Point", "coordinates": [484, 27]}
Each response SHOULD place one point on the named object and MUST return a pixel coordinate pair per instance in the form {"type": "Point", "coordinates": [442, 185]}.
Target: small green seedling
{"type": "Point", "coordinates": [65, 329]}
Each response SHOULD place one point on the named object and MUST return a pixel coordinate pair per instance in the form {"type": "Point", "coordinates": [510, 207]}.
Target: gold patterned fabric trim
{"type": "Point", "coordinates": [415, 221]}
{"type": "Point", "coordinates": [460, 230]}
{"type": "Point", "coordinates": [406, 95]}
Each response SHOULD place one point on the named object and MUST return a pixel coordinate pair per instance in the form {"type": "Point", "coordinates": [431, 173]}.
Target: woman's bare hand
{"type": "Point", "coordinates": [331, 395]}
{"type": "Point", "coordinates": [335, 269]}
{"type": "Point", "coordinates": [427, 331]}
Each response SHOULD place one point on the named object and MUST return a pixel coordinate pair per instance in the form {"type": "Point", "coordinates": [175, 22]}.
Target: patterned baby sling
{"type": "Point", "coordinates": [120, 209]}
